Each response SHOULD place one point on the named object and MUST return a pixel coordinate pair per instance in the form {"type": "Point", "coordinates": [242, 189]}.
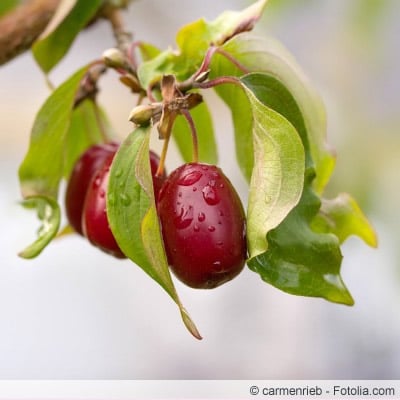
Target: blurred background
{"type": "Point", "coordinates": [76, 313]}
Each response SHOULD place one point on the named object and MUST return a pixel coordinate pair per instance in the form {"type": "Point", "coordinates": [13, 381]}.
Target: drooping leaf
{"type": "Point", "coordinates": [50, 215]}
{"type": "Point", "coordinates": [267, 55]}
{"type": "Point", "coordinates": [278, 173]}
{"type": "Point", "coordinates": [205, 132]}
{"type": "Point", "coordinates": [133, 217]}
{"type": "Point", "coordinates": [343, 217]}
{"type": "Point", "coordinates": [49, 50]}
{"type": "Point", "coordinates": [49, 158]}
{"type": "Point", "coordinates": [299, 260]}
{"type": "Point", "coordinates": [46, 148]}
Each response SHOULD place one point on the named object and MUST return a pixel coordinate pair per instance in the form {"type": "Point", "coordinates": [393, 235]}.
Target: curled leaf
{"type": "Point", "coordinates": [132, 214]}
{"type": "Point", "coordinates": [50, 215]}
{"type": "Point", "coordinates": [269, 56]}
{"type": "Point", "coordinates": [299, 260]}
{"type": "Point", "coordinates": [278, 173]}
{"type": "Point", "coordinates": [343, 217]}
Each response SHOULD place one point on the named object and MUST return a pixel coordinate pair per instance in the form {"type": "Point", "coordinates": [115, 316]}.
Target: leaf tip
{"type": "Point", "coordinates": [190, 324]}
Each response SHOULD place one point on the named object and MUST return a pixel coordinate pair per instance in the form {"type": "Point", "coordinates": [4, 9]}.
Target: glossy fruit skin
{"type": "Point", "coordinates": [203, 225]}
{"type": "Point", "coordinates": [85, 168]}
{"type": "Point", "coordinates": [94, 218]}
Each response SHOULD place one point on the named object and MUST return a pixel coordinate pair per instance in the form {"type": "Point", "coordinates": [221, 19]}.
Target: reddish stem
{"type": "Point", "coordinates": [233, 60]}
{"type": "Point", "coordinates": [206, 61]}
{"type": "Point", "coordinates": [217, 81]}
{"type": "Point", "coordinates": [193, 130]}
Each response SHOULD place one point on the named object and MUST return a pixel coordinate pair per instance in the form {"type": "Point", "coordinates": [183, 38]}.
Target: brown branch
{"type": "Point", "coordinates": [20, 27]}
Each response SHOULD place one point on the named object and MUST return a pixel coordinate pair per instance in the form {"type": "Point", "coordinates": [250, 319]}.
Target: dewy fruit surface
{"type": "Point", "coordinates": [84, 170]}
{"type": "Point", "coordinates": [94, 220]}
{"type": "Point", "coordinates": [203, 225]}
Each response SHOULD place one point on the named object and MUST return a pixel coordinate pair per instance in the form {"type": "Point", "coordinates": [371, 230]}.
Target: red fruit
{"type": "Point", "coordinates": [203, 225]}
{"type": "Point", "coordinates": [84, 170]}
{"type": "Point", "coordinates": [94, 219]}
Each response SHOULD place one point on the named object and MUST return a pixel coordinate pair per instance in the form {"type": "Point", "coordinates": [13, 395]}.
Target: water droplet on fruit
{"type": "Point", "coordinates": [118, 172]}
{"type": "Point", "coordinates": [217, 263]}
{"type": "Point", "coordinates": [194, 189]}
{"type": "Point", "coordinates": [221, 213]}
{"type": "Point", "coordinates": [210, 195]}
{"type": "Point", "coordinates": [204, 168]}
{"type": "Point", "coordinates": [201, 217]}
{"type": "Point", "coordinates": [268, 198]}
{"type": "Point", "coordinates": [97, 182]}
{"type": "Point", "coordinates": [102, 193]}
{"type": "Point", "coordinates": [190, 178]}
{"type": "Point", "coordinates": [211, 228]}
{"type": "Point", "coordinates": [125, 199]}
{"type": "Point", "coordinates": [212, 183]}
{"type": "Point", "coordinates": [220, 243]}
{"type": "Point", "coordinates": [196, 228]}
{"type": "Point", "coordinates": [221, 185]}
{"type": "Point", "coordinates": [185, 218]}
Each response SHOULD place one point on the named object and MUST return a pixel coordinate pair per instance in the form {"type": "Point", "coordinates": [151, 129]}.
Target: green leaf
{"type": "Point", "coordinates": [343, 217]}
{"type": "Point", "coordinates": [63, 9]}
{"type": "Point", "coordinates": [148, 51]}
{"type": "Point", "coordinates": [268, 56]}
{"type": "Point", "coordinates": [279, 162]}
{"type": "Point", "coordinates": [59, 135]}
{"type": "Point", "coordinates": [133, 217]}
{"type": "Point", "coordinates": [241, 113]}
{"type": "Point", "coordinates": [50, 215]}
{"type": "Point", "coordinates": [193, 41]}
{"type": "Point", "coordinates": [43, 166]}
{"type": "Point", "coordinates": [48, 51]}
{"type": "Point", "coordinates": [299, 260]}
{"type": "Point", "coordinates": [205, 132]}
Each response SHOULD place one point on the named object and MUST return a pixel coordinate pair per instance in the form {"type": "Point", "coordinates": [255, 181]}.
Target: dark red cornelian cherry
{"type": "Point", "coordinates": [85, 168]}
{"type": "Point", "coordinates": [94, 219]}
{"type": "Point", "coordinates": [203, 225]}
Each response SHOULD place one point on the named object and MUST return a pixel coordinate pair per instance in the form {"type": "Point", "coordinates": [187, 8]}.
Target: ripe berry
{"type": "Point", "coordinates": [94, 220]}
{"type": "Point", "coordinates": [203, 225]}
{"type": "Point", "coordinates": [84, 170]}
{"type": "Point", "coordinates": [94, 216]}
